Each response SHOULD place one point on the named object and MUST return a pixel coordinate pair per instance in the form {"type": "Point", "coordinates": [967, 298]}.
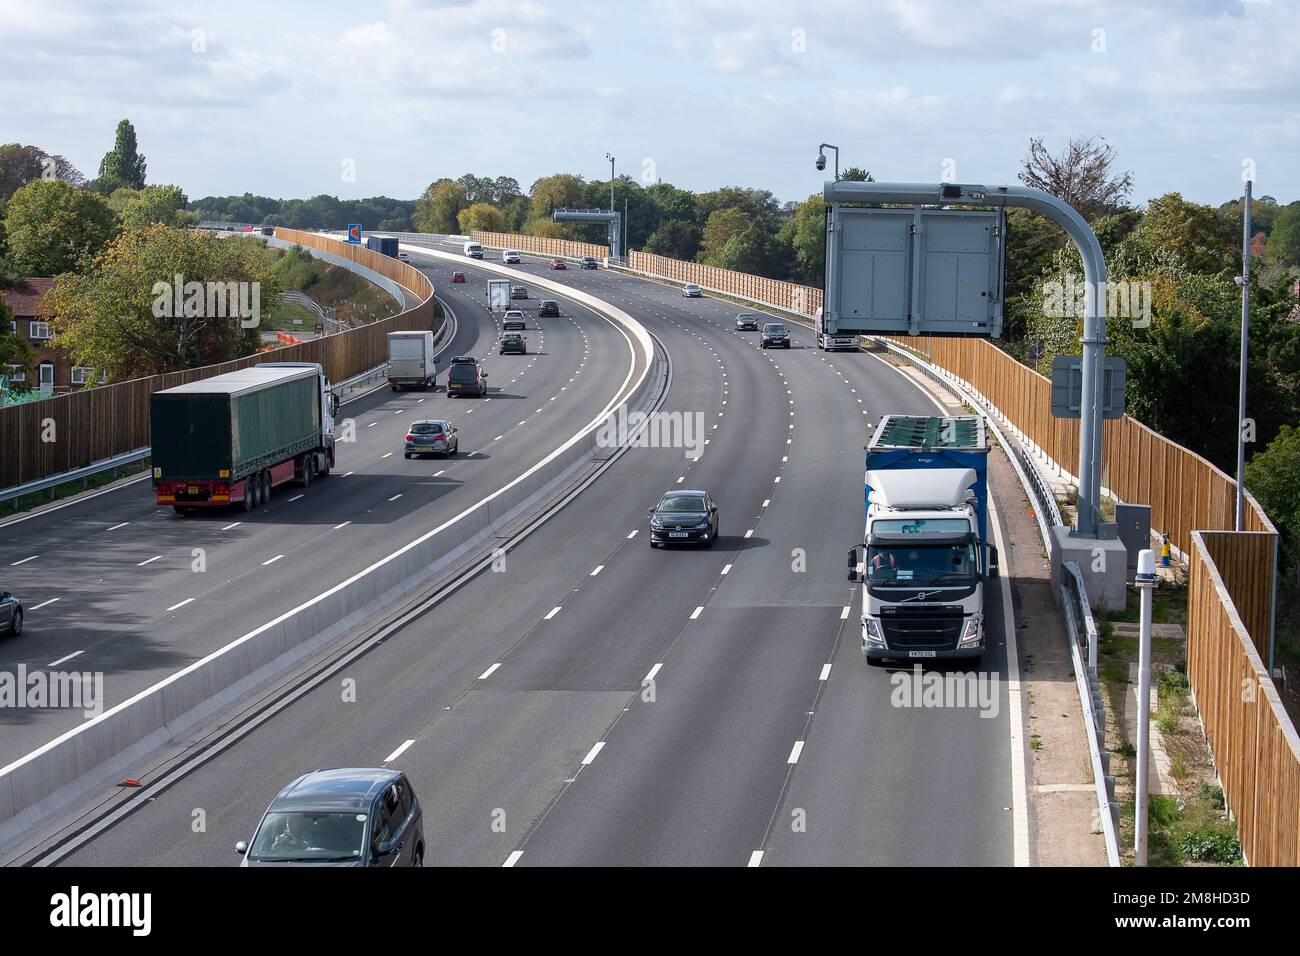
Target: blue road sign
{"type": "Point", "coordinates": [354, 232]}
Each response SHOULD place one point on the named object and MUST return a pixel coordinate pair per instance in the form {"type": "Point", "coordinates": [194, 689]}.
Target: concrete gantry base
{"type": "Point", "coordinates": [1103, 562]}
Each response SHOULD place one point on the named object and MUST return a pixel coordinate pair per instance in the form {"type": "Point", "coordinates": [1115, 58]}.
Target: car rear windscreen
{"type": "Point", "coordinates": [463, 374]}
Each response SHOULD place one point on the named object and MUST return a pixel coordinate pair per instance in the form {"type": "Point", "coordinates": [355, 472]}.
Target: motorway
{"type": "Point", "coordinates": [112, 582]}
{"type": "Point", "coordinates": [594, 701]}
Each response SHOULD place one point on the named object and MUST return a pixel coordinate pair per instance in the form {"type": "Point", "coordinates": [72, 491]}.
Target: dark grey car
{"type": "Point", "coordinates": [347, 817]}
{"type": "Point", "coordinates": [775, 336]}
{"type": "Point", "coordinates": [684, 517]}
{"type": "Point", "coordinates": [11, 614]}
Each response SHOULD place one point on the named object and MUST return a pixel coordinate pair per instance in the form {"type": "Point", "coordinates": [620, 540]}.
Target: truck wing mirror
{"type": "Point", "coordinates": [993, 561]}
{"type": "Point", "coordinates": [853, 564]}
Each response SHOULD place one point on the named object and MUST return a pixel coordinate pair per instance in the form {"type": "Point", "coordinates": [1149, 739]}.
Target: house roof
{"type": "Point", "coordinates": [25, 298]}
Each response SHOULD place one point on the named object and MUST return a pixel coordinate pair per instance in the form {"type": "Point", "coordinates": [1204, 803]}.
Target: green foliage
{"type": "Point", "coordinates": [114, 317]}
{"type": "Point", "coordinates": [14, 351]}
{"type": "Point", "coordinates": [1284, 242]}
{"type": "Point", "coordinates": [480, 216]}
{"type": "Point", "coordinates": [52, 227]}
{"type": "Point", "coordinates": [439, 205]}
{"type": "Point", "coordinates": [805, 233]}
{"type": "Point", "coordinates": [156, 204]}
{"type": "Point", "coordinates": [122, 165]}
{"type": "Point", "coordinates": [1273, 477]}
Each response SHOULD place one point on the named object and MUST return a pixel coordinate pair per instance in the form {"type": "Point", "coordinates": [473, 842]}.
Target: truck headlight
{"type": "Point", "coordinates": [972, 633]}
{"type": "Point", "coordinates": [871, 632]}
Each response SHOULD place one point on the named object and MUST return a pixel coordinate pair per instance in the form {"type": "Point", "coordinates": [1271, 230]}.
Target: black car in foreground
{"type": "Point", "coordinates": [548, 307]}
{"type": "Point", "coordinates": [684, 517]}
{"type": "Point", "coordinates": [11, 614]}
{"type": "Point", "coordinates": [775, 336]}
{"type": "Point", "coordinates": [350, 817]}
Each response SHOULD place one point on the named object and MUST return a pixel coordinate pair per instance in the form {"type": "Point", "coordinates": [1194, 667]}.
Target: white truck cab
{"type": "Point", "coordinates": [924, 562]}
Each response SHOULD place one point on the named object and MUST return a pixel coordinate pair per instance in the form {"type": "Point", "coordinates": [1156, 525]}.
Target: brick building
{"type": "Point", "coordinates": [53, 369]}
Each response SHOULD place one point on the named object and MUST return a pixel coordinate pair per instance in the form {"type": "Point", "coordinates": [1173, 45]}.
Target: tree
{"type": "Point", "coordinates": [548, 194]}
{"type": "Point", "coordinates": [20, 165]}
{"type": "Point", "coordinates": [52, 227]}
{"type": "Point", "coordinates": [1202, 240]}
{"type": "Point", "coordinates": [120, 317]}
{"type": "Point", "coordinates": [439, 205]}
{"type": "Point", "coordinates": [676, 239]}
{"type": "Point", "coordinates": [481, 216]}
{"type": "Point", "coordinates": [1273, 477]}
{"type": "Point", "coordinates": [1082, 175]}
{"type": "Point", "coordinates": [14, 351]}
{"type": "Point", "coordinates": [805, 233]}
{"type": "Point", "coordinates": [755, 250]}
{"type": "Point", "coordinates": [722, 224]}
{"type": "Point", "coordinates": [856, 174]}
{"type": "Point", "coordinates": [1284, 243]}
{"type": "Point", "coordinates": [122, 165]}
{"type": "Point", "coordinates": [153, 204]}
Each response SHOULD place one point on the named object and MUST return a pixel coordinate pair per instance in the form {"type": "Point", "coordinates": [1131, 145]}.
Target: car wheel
{"type": "Point", "coordinates": [419, 857]}
{"type": "Point", "coordinates": [16, 628]}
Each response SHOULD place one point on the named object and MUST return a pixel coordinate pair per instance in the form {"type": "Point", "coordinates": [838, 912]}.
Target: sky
{"type": "Point", "coordinates": [291, 99]}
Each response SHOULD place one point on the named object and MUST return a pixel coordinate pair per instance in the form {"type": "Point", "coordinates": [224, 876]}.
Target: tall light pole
{"type": "Point", "coordinates": [1244, 281]}
{"type": "Point", "coordinates": [821, 158]}
{"type": "Point", "coordinates": [611, 181]}
{"type": "Point", "coordinates": [1146, 582]}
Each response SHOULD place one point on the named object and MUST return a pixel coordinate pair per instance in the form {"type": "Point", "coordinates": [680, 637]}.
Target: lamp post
{"type": "Point", "coordinates": [1244, 281]}
{"type": "Point", "coordinates": [1146, 582]}
{"type": "Point", "coordinates": [611, 181]}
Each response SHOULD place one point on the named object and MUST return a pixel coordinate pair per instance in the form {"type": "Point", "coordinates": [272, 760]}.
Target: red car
{"type": "Point", "coordinates": [458, 277]}
{"type": "Point", "coordinates": [558, 264]}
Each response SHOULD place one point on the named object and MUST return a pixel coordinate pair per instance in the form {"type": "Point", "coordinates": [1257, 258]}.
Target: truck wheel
{"type": "Point", "coordinates": [249, 502]}
{"type": "Point", "coordinates": [266, 487]}
{"type": "Point", "coordinates": [308, 466]}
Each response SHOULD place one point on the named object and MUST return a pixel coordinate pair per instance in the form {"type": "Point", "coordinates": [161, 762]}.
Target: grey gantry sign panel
{"type": "Point", "coordinates": [914, 271]}
{"type": "Point", "coordinates": [1067, 386]}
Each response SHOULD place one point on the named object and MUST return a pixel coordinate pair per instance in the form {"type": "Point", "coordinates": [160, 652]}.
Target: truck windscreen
{"type": "Point", "coordinates": [916, 564]}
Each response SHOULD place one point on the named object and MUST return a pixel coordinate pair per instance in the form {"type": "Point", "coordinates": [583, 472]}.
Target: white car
{"type": "Point", "coordinates": [404, 256]}
{"type": "Point", "coordinates": [510, 257]}
{"type": "Point", "coordinates": [692, 291]}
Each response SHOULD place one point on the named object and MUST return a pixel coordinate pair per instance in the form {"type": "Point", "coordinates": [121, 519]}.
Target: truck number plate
{"type": "Point", "coordinates": [920, 653]}
{"type": "Point", "coordinates": [192, 490]}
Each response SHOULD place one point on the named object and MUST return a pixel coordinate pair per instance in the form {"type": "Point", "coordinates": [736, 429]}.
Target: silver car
{"type": "Point", "coordinates": [432, 436]}
{"type": "Point", "coordinates": [692, 291]}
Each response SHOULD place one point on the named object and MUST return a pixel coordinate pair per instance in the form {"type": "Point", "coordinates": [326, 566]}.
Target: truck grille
{"type": "Point", "coordinates": [922, 628]}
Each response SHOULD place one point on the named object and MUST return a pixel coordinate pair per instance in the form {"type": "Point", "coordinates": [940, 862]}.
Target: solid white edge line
{"type": "Point", "coordinates": [399, 751]}
{"type": "Point", "coordinates": [591, 754]}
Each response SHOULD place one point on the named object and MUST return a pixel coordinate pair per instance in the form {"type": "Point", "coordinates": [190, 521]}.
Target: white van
{"type": "Point", "coordinates": [510, 256]}
{"type": "Point", "coordinates": [474, 250]}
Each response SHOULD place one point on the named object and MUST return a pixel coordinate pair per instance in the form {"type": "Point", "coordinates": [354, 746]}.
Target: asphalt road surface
{"type": "Point", "coordinates": [596, 701]}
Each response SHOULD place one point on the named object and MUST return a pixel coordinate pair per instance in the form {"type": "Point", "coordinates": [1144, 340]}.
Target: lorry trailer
{"type": "Point", "coordinates": [229, 439]}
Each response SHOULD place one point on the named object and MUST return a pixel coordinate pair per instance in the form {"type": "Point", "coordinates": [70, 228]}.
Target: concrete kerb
{"type": "Point", "coordinates": [90, 755]}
